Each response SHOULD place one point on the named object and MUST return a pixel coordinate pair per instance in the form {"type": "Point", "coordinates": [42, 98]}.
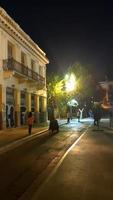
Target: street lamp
{"type": "Point", "coordinates": [73, 103]}
{"type": "Point", "coordinates": [70, 86]}
{"type": "Point", "coordinates": [70, 83]}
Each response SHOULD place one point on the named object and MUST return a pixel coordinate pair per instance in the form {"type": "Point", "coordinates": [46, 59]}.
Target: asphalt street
{"type": "Point", "coordinates": [86, 172]}
{"type": "Point", "coordinates": [22, 166]}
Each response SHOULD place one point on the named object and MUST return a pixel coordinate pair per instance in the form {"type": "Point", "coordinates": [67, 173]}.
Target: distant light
{"type": "Point", "coordinates": [70, 83]}
{"type": "Point", "coordinates": [73, 102]}
{"type": "Point", "coordinates": [66, 77]}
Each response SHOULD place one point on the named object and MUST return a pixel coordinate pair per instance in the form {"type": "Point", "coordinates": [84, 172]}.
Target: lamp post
{"type": "Point", "coordinates": [70, 86]}
{"type": "Point", "coordinates": [70, 83]}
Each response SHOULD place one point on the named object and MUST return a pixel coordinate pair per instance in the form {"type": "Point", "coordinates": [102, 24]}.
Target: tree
{"type": "Point", "coordinates": [84, 88]}
{"type": "Point", "coordinates": [58, 96]}
{"type": "Point", "coordinates": [84, 79]}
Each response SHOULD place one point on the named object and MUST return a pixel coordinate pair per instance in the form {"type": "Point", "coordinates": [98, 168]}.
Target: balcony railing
{"type": "Point", "coordinates": [13, 65]}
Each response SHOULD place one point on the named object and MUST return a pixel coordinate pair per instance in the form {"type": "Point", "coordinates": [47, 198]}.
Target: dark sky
{"type": "Point", "coordinates": [69, 32]}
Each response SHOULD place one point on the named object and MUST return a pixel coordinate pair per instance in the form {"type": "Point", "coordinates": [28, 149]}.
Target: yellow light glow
{"type": "Point", "coordinates": [71, 83]}
{"type": "Point", "coordinates": [58, 87]}
{"type": "Point", "coordinates": [66, 77]}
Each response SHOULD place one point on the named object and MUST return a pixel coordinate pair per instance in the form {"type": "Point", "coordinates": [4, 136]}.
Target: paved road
{"type": "Point", "coordinates": [20, 167]}
{"type": "Point", "coordinates": [86, 173]}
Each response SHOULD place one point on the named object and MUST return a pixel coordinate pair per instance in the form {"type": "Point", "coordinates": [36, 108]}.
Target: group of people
{"type": "Point", "coordinates": [78, 114]}
{"type": "Point", "coordinates": [53, 126]}
{"type": "Point", "coordinates": [97, 114]}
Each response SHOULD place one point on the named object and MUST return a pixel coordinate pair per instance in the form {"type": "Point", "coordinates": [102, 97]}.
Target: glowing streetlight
{"type": "Point", "coordinates": [73, 103]}
{"type": "Point", "coordinates": [70, 83]}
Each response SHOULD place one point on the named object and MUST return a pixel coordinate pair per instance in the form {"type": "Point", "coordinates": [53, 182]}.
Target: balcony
{"type": "Point", "coordinates": [11, 66]}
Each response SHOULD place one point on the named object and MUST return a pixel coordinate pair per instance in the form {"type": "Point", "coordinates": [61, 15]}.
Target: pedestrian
{"type": "Point", "coordinates": [68, 117]}
{"type": "Point", "coordinates": [30, 122]}
{"type": "Point", "coordinates": [78, 115]}
{"type": "Point", "coordinates": [97, 116]}
{"type": "Point", "coordinates": [90, 113]}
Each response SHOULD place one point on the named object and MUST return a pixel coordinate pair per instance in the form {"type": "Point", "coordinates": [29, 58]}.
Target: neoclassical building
{"type": "Point", "coordinates": [22, 75]}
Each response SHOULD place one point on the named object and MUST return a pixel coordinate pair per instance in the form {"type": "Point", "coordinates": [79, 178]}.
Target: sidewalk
{"type": "Point", "coordinates": [13, 136]}
{"type": "Point", "coordinates": [85, 173]}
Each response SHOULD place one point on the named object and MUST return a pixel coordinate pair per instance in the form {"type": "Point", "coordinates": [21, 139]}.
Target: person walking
{"type": "Point", "coordinates": [68, 117]}
{"type": "Point", "coordinates": [97, 116]}
{"type": "Point", "coordinates": [30, 122]}
{"type": "Point", "coordinates": [78, 115]}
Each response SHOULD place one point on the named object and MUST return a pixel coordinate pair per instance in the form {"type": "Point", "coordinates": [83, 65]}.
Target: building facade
{"type": "Point", "coordinates": [22, 75]}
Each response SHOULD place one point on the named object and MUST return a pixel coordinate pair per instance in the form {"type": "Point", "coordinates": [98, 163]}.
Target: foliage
{"type": "Point", "coordinates": [84, 81]}
{"type": "Point", "coordinates": [57, 95]}
{"type": "Point", "coordinates": [57, 98]}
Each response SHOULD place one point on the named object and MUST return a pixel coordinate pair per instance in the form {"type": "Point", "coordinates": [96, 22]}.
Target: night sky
{"type": "Point", "coordinates": [69, 32]}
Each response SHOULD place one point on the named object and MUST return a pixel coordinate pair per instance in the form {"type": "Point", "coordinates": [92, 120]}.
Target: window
{"type": "Point", "coordinates": [41, 70]}
{"type": "Point", "coordinates": [10, 50]}
{"type": "Point", "coordinates": [40, 104]}
{"type": "Point", "coordinates": [23, 98]}
{"type": "Point", "coordinates": [33, 65]}
{"type": "Point", "coordinates": [32, 102]}
{"type": "Point", "coordinates": [10, 96]}
{"type": "Point", "coordinates": [23, 58]}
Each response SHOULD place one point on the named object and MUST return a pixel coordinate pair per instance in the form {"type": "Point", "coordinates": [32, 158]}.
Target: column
{"type": "Point", "coordinates": [17, 107]}
{"type": "Point", "coordinates": [28, 104]}
{"type": "Point", "coordinates": [1, 120]}
{"type": "Point", "coordinates": [2, 107]}
{"type": "Point", "coordinates": [37, 109]}
{"type": "Point", "coordinates": [44, 108]}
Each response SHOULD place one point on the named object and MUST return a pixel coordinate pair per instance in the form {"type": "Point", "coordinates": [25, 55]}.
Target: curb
{"type": "Point", "coordinates": [19, 142]}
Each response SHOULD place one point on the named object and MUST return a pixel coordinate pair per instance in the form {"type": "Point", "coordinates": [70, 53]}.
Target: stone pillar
{"type": "Point", "coordinates": [2, 107]}
{"type": "Point", "coordinates": [37, 109]}
{"type": "Point", "coordinates": [17, 106]}
{"type": "Point", "coordinates": [1, 117]}
{"type": "Point", "coordinates": [43, 113]}
{"type": "Point", "coordinates": [44, 108]}
{"type": "Point", "coordinates": [28, 104]}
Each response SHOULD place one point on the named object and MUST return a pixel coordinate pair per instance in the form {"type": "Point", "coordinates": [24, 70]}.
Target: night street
{"type": "Point", "coordinates": [26, 167]}
{"type": "Point", "coordinates": [85, 173]}
{"type": "Point", "coordinates": [56, 100]}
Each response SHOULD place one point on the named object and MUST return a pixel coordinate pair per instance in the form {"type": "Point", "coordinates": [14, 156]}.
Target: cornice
{"type": "Point", "coordinates": [16, 30]}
